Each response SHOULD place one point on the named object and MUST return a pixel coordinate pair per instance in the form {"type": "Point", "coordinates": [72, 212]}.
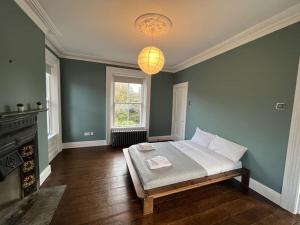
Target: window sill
{"type": "Point", "coordinates": [128, 128]}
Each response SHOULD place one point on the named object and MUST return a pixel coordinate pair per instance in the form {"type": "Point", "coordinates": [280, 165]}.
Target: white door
{"type": "Point", "coordinates": [180, 92]}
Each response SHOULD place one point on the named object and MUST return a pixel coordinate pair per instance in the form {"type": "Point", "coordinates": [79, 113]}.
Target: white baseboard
{"type": "Point", "coordinates": [54, 146]}
{"type": "Point", "coordinates": [82, 144]}
{"type": "Point", "coordinates": [45, 174]}
{"type": "Point", "coordinates": [263, 190]}
{"type": "Point", "coordinates": [53, 154]}
{"type": "Point", "coordinates": [160, 138]}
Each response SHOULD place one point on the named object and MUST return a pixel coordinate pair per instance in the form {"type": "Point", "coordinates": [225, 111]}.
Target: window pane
{"type": "Point", "coordinates": [121, 90]}
{"type": "Point", "coordinates": [48, 102]}
{"type": "Point", "coordinates": [127, 115]}
{"type": "Point", "coordinates": [134, 114]}
{"type": "Point", "coordinates": [48, 119]}
{"type": "Point", "coordinates": [121, 115]}
{"type": "Point", "coordinates": [127, 104]}
{"type": "Point", "coordinates": [134, 93]}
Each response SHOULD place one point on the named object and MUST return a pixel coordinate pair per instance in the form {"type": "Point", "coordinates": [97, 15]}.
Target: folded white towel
{"type": "Point", "coordinates": [158, 162]}
{"type": "Point", "coordinates": [144, 147]}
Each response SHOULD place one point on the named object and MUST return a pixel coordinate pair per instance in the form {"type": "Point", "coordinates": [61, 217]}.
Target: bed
{"type": "Point", "coordinates": [193, 166]}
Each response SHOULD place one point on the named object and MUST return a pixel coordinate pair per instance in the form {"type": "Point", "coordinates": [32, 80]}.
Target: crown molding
{"type": "Point", "coordinates": [69, 55]}
{"type": "Point", "coordinates": [277, 22]}
{"type": "Point", "coordinates": [53, 47]}
{"type": "Point", "coordinates": [89, 58]}
{"type": "Point", "coordinates": [39, 16]}
{"type": "Point", "coordinates": [36, 12]}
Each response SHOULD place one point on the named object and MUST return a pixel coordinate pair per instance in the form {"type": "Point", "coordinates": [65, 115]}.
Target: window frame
{"type": "Point", "coordinates": [128, 103]}
{"type": "Point", "coordinates": [55, 138]}
{"type": "Point", "coordinates": [111, 74]}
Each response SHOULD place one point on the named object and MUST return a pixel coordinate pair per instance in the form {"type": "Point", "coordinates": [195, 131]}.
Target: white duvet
{"type": "Point", "coordinates": [211, 161]}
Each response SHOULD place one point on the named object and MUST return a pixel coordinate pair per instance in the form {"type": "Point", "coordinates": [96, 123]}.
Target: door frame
{"type": "Point", "coordinates": [290, 196]}
{"type": "Point", "coordinates": [184, 85]}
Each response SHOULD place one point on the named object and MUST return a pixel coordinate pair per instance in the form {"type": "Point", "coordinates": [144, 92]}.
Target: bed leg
{"type": "Point", "coordinates": [245, 180]}
{"type": "Point", "coordinates": [148, 205]}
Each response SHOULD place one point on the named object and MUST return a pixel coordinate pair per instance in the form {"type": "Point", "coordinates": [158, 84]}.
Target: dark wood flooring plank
{"type": "Point", "coordinates": [100, 192]}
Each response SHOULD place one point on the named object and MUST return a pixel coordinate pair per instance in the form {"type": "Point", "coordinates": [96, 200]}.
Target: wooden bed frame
{"type": "Point", "coordinates": [149, 195]}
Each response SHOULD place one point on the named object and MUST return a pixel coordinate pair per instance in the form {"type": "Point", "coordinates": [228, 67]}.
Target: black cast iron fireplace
{"type": "Point", "coordinates": [19, 149]}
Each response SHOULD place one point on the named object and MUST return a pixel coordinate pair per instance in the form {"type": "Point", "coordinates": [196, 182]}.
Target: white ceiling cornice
{"type": "Point", "coordinates": [36, 12]}
{"type": "Point", "coordinates": [88, 58]}
{"type": "Point", "coordinates": [39, 16]}
{"type": "Point", "coordinates": [277, 22]}
{"type": "Point", "coordinates": [52, 47]}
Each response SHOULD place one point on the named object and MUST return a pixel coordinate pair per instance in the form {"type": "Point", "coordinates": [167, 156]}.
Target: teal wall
{"type": "Point", "coordinates": [161, 104]}
{"type": "Point", "coordinates": [83, 93]}
{"type": "Point", "coordinates": [23, 80]}
{"type": "Point", "coordinates": [234, 95]}
{"type": "Point", "coordinates": [83, 100]}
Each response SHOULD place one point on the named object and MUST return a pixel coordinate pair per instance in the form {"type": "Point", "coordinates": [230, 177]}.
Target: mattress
{"type": "Point", "coordinates": [189, 161]}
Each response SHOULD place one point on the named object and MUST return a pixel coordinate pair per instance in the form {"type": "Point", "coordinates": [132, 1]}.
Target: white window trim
{"type": "Point", "coordinates": [55, 139]}
{"type": "Point", "coordinates": [114, 71]}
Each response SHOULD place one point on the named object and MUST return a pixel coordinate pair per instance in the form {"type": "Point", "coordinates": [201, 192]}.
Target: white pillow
{"type": "Point", "coordinates": [202, 138]}
{"type": "Point", "coordinates": [229, 149]}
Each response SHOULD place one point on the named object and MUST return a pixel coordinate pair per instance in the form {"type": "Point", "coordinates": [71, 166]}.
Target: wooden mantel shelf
{"type": "Point", "coordinates": [17, 113]}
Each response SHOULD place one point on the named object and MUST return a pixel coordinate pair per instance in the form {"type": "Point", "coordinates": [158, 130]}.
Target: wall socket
{"type": "Point", "coordinates": [280, 106]}
{"type": "Point", "coordinates": [88, 133]}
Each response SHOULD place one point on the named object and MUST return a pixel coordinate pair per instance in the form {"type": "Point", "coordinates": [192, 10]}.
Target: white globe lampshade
{"type": "Point", "coordinates": [151, 60]}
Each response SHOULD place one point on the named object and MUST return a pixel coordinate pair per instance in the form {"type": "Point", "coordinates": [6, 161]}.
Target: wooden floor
{"type": "Point", "coordinates": [99, 191]}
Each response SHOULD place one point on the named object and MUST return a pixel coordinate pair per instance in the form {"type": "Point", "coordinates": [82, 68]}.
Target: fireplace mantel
{"type": "Point", "coordinates": [18, 113]}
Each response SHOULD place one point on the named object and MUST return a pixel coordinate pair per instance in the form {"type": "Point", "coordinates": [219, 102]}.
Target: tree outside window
{"type": "Point", "coordinates": [128, 104]}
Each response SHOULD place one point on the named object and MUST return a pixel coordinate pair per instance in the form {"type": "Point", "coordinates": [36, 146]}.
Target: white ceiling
{"type": "Point", "coordinates": [104, 29]}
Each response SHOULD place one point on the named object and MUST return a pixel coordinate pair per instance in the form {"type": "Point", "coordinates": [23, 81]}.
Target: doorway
{"type": "Point", "coordinates": [180, 92]}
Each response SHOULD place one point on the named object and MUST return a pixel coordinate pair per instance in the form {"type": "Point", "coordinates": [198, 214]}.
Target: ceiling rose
{"type": "Point", "coordinates": [153, 24]}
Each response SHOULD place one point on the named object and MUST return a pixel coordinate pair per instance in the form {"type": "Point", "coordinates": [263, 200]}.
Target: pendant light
{"type": "Point", "coordinates": [151, 59]}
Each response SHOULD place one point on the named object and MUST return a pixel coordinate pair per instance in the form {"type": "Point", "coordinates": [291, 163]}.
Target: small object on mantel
{"type": "Point", "coordinates": [39, 105]}
{"type": "Point", "coordinates": [16, 113]}
{"type": "Point", "coordinates": [20, 107]}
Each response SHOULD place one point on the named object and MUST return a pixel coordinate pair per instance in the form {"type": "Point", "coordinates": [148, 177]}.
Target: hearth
{"type": "Point", "coordinates": [19, 151]}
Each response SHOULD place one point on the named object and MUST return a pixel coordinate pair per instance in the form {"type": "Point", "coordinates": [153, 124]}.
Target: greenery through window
{"type": "Point", "coordinates": [48, 103]}
{"type": "Point", "coordinates": [127, 104]}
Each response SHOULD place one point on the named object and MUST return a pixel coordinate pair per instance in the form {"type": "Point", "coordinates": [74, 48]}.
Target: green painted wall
{"type": "Point", "coordinates": [161, 104]}
{"type": "Point", "coordinates": [23, 80]}
{"type": "Point", "coordinates": [234, 95]}
{"type": "Point", "coordinates": [84, 99]}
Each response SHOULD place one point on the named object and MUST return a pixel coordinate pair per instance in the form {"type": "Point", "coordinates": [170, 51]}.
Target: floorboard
{"type": "Point", "coordinates": [99, 192]}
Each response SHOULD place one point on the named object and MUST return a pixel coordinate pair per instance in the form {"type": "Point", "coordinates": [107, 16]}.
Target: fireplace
{"type": "Point", "coordinates": [19, 170]}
